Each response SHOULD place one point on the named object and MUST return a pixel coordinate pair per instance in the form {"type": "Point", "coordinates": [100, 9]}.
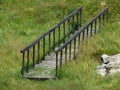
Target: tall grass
{"type": "Point", "coordinates": [22, 21]}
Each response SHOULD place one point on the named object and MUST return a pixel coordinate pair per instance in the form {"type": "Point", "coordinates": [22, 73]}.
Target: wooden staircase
{"type": "Point", "coordinates": [42, 62]}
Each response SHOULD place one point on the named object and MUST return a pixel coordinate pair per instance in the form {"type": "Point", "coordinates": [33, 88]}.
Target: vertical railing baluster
{"type": "Point", "coordinates": [69, 28]}
{"type": "Point", "coordinates": [49, 43]}
{"type": "Point", "coordinates": [77, 21]}
{"type": "Point", "coordinates": [64, 31]}
{"type": "Point", "coordinates": [61, 58]}
{"type": "Point", "coordinates": [91, 28]}
{"type": "Point", "coordinates": [95, 26]}
{"type": "Point", "coordinates": [83, 35]}
{"type": "Point", "coordinates": [65, 54]}
{"type": "Point", "coordinates": [38, 52]}
{"type": "Point", "coordinates": [44, 48]}
{"type": "Point", "coordinates": [74, 48]}
{"type": "Point", "coordinates": [58, 36]}
{"type": "Point", "coordinates": [87, 31]}
{"type": "Point", "coordinates": [80, 18]}
{"type": "Point", "coordinates": [33, 56]}
{"type": "Point", "coordinates": [99, 22]}
{"type": "Point", "coordinates": [79, 39]}
{"type": "Point", "coordinates": [23, 61]}
{"type": "Point", "coordinates": [73, 24]}
{"type": "Point", "coordinates": [70, 51]}
{"type": "Point", "coordinates": [27, 60]}
{"type": "Point", "coordinates": [56, 64]}
{"type": "Point", "coordinates": [53, 39]}
{"type": "Point", "coordinates": [103, 19]}
{"type": "Point", "coordinates": [107, 15]}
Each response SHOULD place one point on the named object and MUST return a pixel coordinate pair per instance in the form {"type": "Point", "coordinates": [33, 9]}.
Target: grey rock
{"type": "Point", "coordinates": [110, 65]}
{"type": "Point", "coordinates": [105, 58]}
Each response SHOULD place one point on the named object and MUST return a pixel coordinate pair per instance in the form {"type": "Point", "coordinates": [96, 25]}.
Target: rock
{"type": "Point", "coordinates": [105, 59]}
{"type": "Point", "coordinates": [101, 71]}
{"type": "Point", "coordinates": [110, 65]}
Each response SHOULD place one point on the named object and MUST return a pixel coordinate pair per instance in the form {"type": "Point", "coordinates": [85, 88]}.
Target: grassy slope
{"type": "Point", "coordinates": [21, 21]}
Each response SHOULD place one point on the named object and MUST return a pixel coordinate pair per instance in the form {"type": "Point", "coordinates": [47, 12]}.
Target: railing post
{"type": "Point", "coordinates": [83, 35]}
{"type": "Point", "coordinates": [87, 31]}
{"type": "Point", "coordinates": [79, 39]}
{"type": "Point", "coordinates": [69, 28]}
{"type": "Point", "coordinates": [64, 32]}
{"type": "Point", "coordinates": [49, 43]}
{"type": "Point", "coordinates": [70, 51]}
{"type": "Point", "coordinates": [22, 70]}
{"type": "Point", "coordinates": [61, 58]}
{"type": "Point", "coordinates": [74, 49]}
{"type": "Point", "coordinates": [107, 15]}
{"type": "Point", "coordinates": [58, 36]}
{"type": "Point", "coordinates": [38, 52]}
{"type": "Point", "coordinates": [80, 18]}
{"type": "Point", "coordinates": [53, 39]}
{"type": "Point", "coordinates": [95, 26]}
{"type": "Point", "coordinates": [33, 56]}
{"type": "Point", "coordinates": [43, 48]}
{"type": "Point", "coordinates": [91, 29]}
{"type": "Point", "coordinates": [77, 21]}
{"type": "Point", "coordinates": [27, 60]}
{"type": "Point", "coordinates": [99, 22]}
{"type": "Point", "coordinates": [103, 21]}
{"type": "Point", "coordinates": [65, 54]}
{"type": "Point", "coordinates": [73, 24]}
{"type": "Point", "coordinates": [56, 64]}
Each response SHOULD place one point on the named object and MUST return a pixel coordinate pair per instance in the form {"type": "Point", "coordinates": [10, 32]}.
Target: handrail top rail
{"type": "Point", "coordinates": [49, 31]}
{"type": "Point", "coordinates": [81, 30]}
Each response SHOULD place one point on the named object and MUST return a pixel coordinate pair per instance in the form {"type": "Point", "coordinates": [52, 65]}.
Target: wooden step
{"type": "Point", "coordinates": [40, 77]}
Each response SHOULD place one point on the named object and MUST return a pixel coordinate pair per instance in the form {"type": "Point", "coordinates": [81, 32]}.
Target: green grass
{"type": "Point", "coordinates": [22, 21]}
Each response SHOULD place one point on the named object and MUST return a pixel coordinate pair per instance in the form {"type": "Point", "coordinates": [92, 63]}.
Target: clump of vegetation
{"type": "Point", "coordinates": [22, 21]}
